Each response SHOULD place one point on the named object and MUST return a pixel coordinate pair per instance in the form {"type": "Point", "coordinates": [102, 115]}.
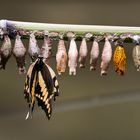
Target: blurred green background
{"type": "Point", "coordinates": [90, 106]}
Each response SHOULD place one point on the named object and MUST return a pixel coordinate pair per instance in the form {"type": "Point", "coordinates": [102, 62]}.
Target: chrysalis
{"type": "Point", "coordinates": [106, 57]}
{"type": "Point", "coordinates": [72, 55]}
{"type": "Point", "coordinates": [46, 49]}
{"type": "Point", "coordinates": [83, 53]}
{"type": "Point", "coordinates": [19, 51]}
{"type": "Point", "coordinates": [119, 59]}
{"type": "Point", "coordinates": [33, 50]}
{"type": "Point", "coordinates": [136, 57]}
{"type": "Point", "coordinates": [5, 51]}
{"type": "Point", "coordinates": [94, 54]}
{"type": "Point", "coordinates": [41, 84]}
{"type": "Point", "coordinates": [136, 51]}
{"type": "Point", "coordinates": [61, 57]}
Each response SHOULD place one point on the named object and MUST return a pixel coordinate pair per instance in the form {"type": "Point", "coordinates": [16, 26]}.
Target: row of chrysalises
{"type": "Point", "coordinates": [19, 51]}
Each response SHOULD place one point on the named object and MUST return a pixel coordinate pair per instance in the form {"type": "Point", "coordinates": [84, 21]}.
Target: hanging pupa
{"type": "Point", "coordinates": [5, 51]}
{"type": "Point", "coordinates": [19, 52]}
{"type": "Point", "coordinates": [33, 50]}
{"type": "Point", "coordinates": [136, 56]}
{"type": "Point", "coordinates": [94, 54]}
{"type": "Point", "coordinates": [41, 85]}
{"type": "Point", "coordinates": [136, 51]}
{"type": "Point", "coordinates": [83, 53]}
{"type": "Point", "coordinates": [61, 57]}
{"type": "Point", "coordinates": [73, 56]}
{"type": "Point", "coordinates": [119, 59]}
{"type": "Point", "coordinates": [46, 49]}
{"type": "Point", "coordinates": [106, 57]}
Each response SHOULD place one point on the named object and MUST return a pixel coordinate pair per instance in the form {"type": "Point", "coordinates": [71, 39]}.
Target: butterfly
{"type": "Point", "coordinates": [41, 85]}
{"type": "Point", "coordinates": [119, 59]}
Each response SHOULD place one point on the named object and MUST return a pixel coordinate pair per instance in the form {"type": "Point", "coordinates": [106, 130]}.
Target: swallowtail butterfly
{"type": "Point", "coordinates": [41, 85]}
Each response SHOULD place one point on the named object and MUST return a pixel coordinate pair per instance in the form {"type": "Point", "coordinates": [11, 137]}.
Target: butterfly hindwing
{"type": "Point", "coordinates": [27, 83]}
{"type": "Point", "coordinates": [55, 82]}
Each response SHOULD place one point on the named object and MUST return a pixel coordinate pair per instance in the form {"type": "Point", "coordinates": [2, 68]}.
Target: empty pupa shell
{"type": "Point", "coordinates": [33, 49]}
{"type": "Point", "coordinates": [46, 49]}
{"type": "Point", "coordinates": [136, 56]}
{"type": "Point", "coordinates": [119, 59]}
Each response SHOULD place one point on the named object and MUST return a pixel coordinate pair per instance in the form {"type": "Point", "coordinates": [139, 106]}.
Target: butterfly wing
{"type": "Point", "coordinates": [44, 89]}
{"type": "Point", "coordinates": [29, 87]}
{"type": "Point", "coordinates": [55, 82]}
{"type": "Point", "coordinates": [27, 84]}
{"type": "Point", "coordinates": [41, 84]}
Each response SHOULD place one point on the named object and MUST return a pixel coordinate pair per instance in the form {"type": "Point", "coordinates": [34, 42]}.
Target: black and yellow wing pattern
{"type": "Point", "coordinates": [41, 85]}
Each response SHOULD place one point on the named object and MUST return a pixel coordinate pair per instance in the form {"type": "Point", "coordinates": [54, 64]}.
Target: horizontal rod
{"type": "Point", "coordinates": [72, 27]}
{"type": "Point", "coordinates": [79, 30]}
